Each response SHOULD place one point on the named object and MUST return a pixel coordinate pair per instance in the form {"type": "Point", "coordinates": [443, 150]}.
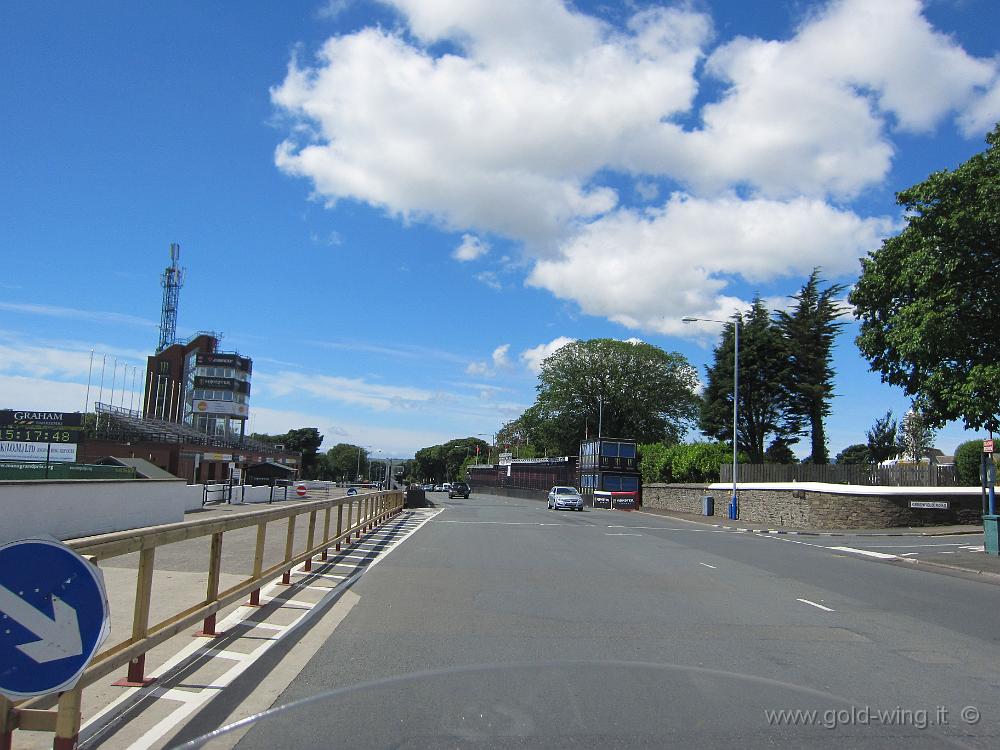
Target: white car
{"type": "Point", "coordinates": [565, 497]}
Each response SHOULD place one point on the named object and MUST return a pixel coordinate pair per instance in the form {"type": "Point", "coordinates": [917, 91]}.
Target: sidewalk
{"type": "Point", "coordinates": [962, 561]}
{"type": "Point", "coordinates": [722, 522]}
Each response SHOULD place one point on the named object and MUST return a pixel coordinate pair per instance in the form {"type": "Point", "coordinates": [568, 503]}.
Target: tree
{"type": "Point", "coordinates": [927, 298]}
{"type": "Point", "coordinates": [854, 454]}
{"type": "Point", "coordinates": [442, 463]}
{"type": "Point", "coordinates": [916, 437]}
{"type": "Point", "coordinates": [636, 390]}
{"type": "Point", "coordinates": [810, 328]}
{"type": "Point", "coordinates": [767, 408]}
{"type": "Point", "coordinates": [968, 458]}
{"type": "Point", "coordinates": [306, 440]}
{"type": "Point", "coordinates": [341, 462]}
{"type": "Point", "coordinates": [883, 440]}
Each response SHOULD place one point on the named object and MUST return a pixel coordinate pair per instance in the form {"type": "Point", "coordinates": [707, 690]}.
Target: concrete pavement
{"type": "Point", "coordinates": [502, 624]}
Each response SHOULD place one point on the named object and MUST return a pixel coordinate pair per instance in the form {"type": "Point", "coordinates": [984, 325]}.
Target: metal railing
{"type": "Point", "coordinates": [332, 521]}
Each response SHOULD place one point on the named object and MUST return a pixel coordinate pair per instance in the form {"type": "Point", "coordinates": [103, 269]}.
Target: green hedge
{"type": "Point", "coordinates": [683, 463]}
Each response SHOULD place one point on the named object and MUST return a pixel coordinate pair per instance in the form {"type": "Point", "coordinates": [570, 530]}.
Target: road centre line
{"type": "Point", "coordinates": [814, 604]}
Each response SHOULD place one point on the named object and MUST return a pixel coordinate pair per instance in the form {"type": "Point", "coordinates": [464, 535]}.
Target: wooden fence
{"type": "Point", "coordinates": [913, 475]}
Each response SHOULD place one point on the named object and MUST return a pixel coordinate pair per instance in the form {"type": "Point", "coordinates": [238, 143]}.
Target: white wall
{"type": "Point", "coordinates": [69, 508]}
{"type": "Point", "coordinates": [194, 495]}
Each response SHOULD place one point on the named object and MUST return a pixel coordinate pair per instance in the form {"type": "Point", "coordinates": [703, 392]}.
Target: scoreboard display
{"type": "Point", "coordinates": [39, 434]}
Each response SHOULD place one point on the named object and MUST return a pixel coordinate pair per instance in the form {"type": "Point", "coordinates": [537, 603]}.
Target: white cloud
{"type": "Point", "coordinates": [646, 270]}
{"type": "Point", "coordinates": [534, 356]}
{"type": "Point", "coordinates": [516, 129]}
{"type": "Point", "coordinates": [489, 278]}
{"type": "Point", "coordinates": [498, 361]}
{"type": "Point", "coordinates": [355, 391]}
{"type": "Point", "coordinates": [92, 316]}
{"type": "Point", "coordinates": [396, 442]}
{"type": "Point", "coordinates": [504, 138]}
{"type": "Point", "coordinates": [984, 114]}
{"type": "Point", "coordinates": [470, 248]}
{"type": "Point", "coordinates": [648, 191]}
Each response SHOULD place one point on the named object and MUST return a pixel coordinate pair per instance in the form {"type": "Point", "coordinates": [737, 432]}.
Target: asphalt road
{"type": "Point", "coordinates": [503, 624]}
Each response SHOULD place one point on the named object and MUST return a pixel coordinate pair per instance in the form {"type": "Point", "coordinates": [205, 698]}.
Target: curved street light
{"type": "Point", "coordinates": [734, 502]}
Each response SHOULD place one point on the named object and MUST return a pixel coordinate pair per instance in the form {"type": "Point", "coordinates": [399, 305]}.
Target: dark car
{"type": "Point", "coordinates": [459, 489]}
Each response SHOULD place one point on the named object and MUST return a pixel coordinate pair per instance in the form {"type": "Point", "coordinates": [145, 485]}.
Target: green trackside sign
{"type": "Point", "coordinates": [14, 470]}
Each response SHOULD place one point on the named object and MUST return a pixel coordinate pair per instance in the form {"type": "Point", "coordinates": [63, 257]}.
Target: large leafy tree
{"type": "Point", "coordinates": [810, 328]}
{"type": "Point", "coordinates": [635, 389]}
{"type": "Point", "coordinates": [854, 454]}
{"type": "Point", "coordinates": [342, 462]}
{"type": "Point", "coordinates": [307, 440]}
{"type": "Point", "coordinates": [767, 410]}
{"type": "Point", "coordinates": [444, 462]}
{"type": "Point", "coordinates": [928, 298]}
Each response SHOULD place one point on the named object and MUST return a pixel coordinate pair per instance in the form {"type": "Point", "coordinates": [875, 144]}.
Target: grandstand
{"type": "Point", "coordinates": [127, 425]}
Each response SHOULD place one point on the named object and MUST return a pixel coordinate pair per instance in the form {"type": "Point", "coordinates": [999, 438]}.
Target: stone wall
{"type": "Point", "coordinates": [815, 510]}
{"type": "Point", "coordinates": [685, 498]}
{"type": "Point", "coordinates": [485, 489]}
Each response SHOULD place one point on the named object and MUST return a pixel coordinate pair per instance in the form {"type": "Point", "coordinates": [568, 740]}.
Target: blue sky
{"type": "Point", "coordinates": [396, 208]}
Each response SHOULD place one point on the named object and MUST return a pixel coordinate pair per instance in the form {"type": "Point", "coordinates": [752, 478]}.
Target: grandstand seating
{"type": "Point", "coordinates": [124, 424]}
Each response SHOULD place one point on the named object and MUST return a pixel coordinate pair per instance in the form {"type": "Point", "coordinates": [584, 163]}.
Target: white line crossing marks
{"type": "Point", "coordinates": [191, 700]}
{"type": "Point", "coordinates": [814, 604]}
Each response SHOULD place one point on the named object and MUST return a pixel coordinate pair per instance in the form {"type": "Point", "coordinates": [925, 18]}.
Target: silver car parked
{"type": "Point", "coordinates": [565, 498]}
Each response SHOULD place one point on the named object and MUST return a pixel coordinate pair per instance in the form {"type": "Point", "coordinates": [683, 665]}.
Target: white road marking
{"type": "Point", "coordinates": [908, 546]}
{"type": "Point", "coordinates": [321, 575]}
{"type": "Point", "coordinates": [507, 523]}
{"type": "Point", "coordinates": [611, 534]}
{"type": "Point", "coordinates": [907, 554]}
{"type": "Point", "coordinates": [707, 565]}
{"type": "Point", "coordinates": [865, 552]}
{"type": "Point", "coordinates": [192, 700]}
{"type": "Point", "coordinates": [814, 604]}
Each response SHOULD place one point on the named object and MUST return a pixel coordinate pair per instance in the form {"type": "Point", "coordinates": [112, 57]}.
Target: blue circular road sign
{"type": "Point", "coordinates": [352, 491]}
{"type": "Point", "coordinates": [53, 616]}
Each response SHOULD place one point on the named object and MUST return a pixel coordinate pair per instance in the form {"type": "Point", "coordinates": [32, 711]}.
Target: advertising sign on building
{"type": "Point", "coordinates": [221, 384]}
{"type": "Point", "coordinates": [226, 408]}
{"type": "Point", "coordinates": [48, 418]}
{"type": "Point", "coordinates": [52, 452]}
{"type": "Point", "coordinates": [224, 360]}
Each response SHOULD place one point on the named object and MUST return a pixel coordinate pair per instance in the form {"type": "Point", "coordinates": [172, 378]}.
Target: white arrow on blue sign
{"type": "Point", "coordinates": [352, 491]}
{"type": "Point", "coordinates": [53, 616]}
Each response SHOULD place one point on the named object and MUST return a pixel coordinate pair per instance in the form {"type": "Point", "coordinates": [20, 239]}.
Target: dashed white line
{"type": "Point", "coordinates": [707, 565]}
{"type": "Point", "coordinates": [612, 534]}
{"type": "Point", "coordinates": [814, 604]}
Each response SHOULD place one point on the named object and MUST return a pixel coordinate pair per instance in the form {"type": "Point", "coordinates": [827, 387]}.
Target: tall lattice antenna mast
{"type": "Point", "coordinates": [172, 280]}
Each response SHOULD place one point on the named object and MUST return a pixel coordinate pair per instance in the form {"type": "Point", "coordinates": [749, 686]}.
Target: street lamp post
{"type": "Point", "coordinates": [734, 502]}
